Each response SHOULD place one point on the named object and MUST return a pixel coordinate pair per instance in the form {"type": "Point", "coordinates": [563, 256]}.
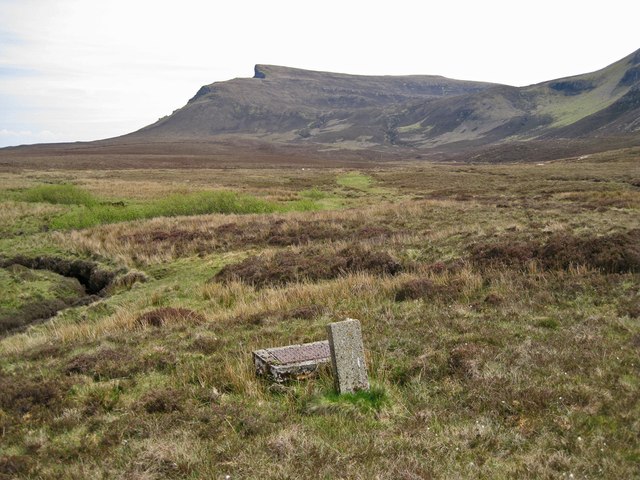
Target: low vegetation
{"type": "Point", "coordinates": [309, 264]}
{"type": "Point", "coordinates": [89, 210]}
{"type": "Point", "coordinates": [499, 307]}
{"type": "Point", "coordinates": [615, 253]}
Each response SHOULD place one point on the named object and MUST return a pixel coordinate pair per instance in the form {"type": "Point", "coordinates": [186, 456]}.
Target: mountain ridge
{"type": "Point", "coordinates": [285, 109]}
{"type": "Point", "coordinates": [290, 105]}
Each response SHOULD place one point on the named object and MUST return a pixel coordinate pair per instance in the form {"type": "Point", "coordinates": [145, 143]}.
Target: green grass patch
{"type": "Point", "coordinates": [20, 285]}
{"type": "Point", "coordinates": [89, 211]}
{"type": "Point", "coordinates": [362, 183]}
{"type": "Point", "coordinates": [314, 194]}
{"type": "Point", "coordinates": [371, 400]}
{"type": "Point", "coordinates": [355, 180]}
{"type": "Point", "coordinates": [549, 323]}
{"type": "Point", "coordinates": [85, 210]}
{"type": "Point", "coordinates": [322, 200]}
{"type": "Point", "coordinates": [65, 194]}
{"type": "Point", "coordinates": [303, 205]}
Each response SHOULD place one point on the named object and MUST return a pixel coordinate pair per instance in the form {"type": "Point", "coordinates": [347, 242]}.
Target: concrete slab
{"type": "Point", "coordinates": [293, 362]}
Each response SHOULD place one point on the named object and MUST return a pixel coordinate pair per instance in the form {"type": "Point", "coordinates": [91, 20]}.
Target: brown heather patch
{"type": "Point", "coordinates": [630, 306]}
{"type": "Point", "coordinates": [164, 239]}
{"type": "Point", "coordinates": [281, 233]}
{"type": "Point", "coordinates": [466, 360]}
{"type": "Point", "coordinates": [11, 466]}
{"type": "Point", "coordinates": [169, 315]}
{"type": "Point", "coordinates": [30, 395]}
{"type": "Point", "coordinates": [615, 253]}
{"type": "Point", "coordinates": [162, 401]}
{"type": "Point", "coordinates": [427, 289]}
{"type": "Point", "coordinates": [233, 236]}
{"type": "Point", "coordinates": [310, 264]}
{"type": "Point", "coordinates": [103, 364]}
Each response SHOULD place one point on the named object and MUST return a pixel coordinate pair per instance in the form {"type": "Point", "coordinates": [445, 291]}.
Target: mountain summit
{"type": "Point", "coordinates": [293, 105]}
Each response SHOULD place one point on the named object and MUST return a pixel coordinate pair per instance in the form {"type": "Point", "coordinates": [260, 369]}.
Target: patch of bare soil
{"type": "Point", "coordinates": [91, 282]}
{"type": "Point", "coordinates": [89, 274]}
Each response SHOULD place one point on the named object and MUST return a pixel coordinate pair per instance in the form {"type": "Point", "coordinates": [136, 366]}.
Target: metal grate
{"type": "Point", "coordinates": [301, 353]}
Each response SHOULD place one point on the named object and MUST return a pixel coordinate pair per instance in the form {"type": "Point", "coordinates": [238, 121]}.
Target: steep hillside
{"type": "Point", "coordinates": [606, 102]}
{"type": "Point", "coordinates": [292, 106]}
{"type": "Point", "coordinates": [289, 105]}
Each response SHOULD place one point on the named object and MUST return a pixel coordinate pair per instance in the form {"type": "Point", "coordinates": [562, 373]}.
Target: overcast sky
{"type": "Point", "coordinates": [88, 69]}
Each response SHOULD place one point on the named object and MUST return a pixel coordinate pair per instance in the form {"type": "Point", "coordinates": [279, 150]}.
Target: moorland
{"type": "Point", "coordinates": [499, 306]}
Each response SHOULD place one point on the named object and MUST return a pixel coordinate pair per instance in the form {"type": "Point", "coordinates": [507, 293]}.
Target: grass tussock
{"type": "Point", "coordinates": [169, 315]}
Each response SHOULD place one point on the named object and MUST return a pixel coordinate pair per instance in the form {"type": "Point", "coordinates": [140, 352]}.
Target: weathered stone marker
{"type": "Point", "coordinates": [293, 362]}
{"type": "Point", "coordinates": [347, 356]}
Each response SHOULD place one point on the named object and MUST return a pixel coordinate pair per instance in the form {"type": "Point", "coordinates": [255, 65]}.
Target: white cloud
{"type": "Point", "coordinates": [27, 133]}
{"type": "Point", "coordinates": [23, 137]}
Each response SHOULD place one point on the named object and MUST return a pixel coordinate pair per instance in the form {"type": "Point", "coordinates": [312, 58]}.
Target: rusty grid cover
{"type": "Point", "coordinates": [301, 353]}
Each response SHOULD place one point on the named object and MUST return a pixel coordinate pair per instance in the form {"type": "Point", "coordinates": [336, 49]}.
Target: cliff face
{"type": "Point", "coordinates": [293, 105]}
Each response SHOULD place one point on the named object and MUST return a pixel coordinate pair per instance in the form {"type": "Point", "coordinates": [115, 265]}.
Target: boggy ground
{"type": "Point", "coordinates": [499, 307]}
